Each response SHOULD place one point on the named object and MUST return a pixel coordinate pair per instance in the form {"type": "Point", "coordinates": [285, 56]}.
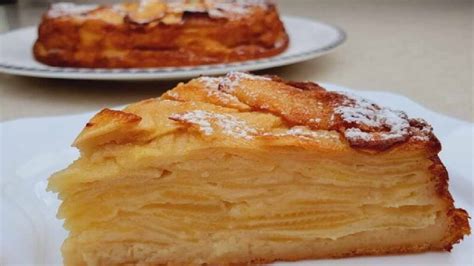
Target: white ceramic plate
{"type": "Point", "coordinates": [34, 148]}
{"type": "Point", "coordinates": [308, 39]}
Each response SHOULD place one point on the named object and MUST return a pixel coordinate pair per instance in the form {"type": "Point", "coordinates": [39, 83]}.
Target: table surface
{"type": "Point", "coordinates": [422, 49]}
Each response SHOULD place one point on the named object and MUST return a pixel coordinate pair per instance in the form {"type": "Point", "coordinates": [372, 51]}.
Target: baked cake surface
{"type": "Point", "coordinates": [254, 169]}
{"type": "Point", "coordinates": [159, 33]}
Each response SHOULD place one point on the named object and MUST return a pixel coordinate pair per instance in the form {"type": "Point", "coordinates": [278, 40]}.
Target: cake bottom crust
{"type": "Point", "coordinates": [239, 249]}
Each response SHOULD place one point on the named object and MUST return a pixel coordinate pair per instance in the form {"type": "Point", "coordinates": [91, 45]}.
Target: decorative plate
{"type": "Point", "coordinates": [308, 39]}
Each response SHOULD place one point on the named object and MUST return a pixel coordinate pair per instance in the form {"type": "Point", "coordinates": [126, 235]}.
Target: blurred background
{"type": "Point", "coordinates": [422, 49]}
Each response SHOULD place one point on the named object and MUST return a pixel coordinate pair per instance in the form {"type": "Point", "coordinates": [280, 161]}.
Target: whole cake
{"type": "Point", "coordinates": [159, 33]}
{"type": "Point", "coordinates": [252, 169]}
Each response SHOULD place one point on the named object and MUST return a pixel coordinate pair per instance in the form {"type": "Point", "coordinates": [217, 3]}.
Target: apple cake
{"type": "Point", "coordinates": [159, 33]}
{"type": "Point", "coordinates": [254, 169]}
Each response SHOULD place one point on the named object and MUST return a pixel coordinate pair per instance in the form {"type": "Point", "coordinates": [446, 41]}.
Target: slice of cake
{"type": "Point", "coordinates": [250, 169]}
{"type": "Point", "coordinates": [159, 33]}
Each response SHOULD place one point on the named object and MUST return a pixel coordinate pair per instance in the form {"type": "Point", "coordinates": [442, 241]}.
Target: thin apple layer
{"type": "Point", "coordinates": [268, 196]}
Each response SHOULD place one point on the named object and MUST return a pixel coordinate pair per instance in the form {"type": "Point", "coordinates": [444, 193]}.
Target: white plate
{"type": "Point", "coordinates": [308, 39]}
{"type": "Point", "coordinates": [34, 148]}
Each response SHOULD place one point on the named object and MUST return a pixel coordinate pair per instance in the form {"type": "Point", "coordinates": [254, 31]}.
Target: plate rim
{"type": "Point", "coordinates": [164, 73]}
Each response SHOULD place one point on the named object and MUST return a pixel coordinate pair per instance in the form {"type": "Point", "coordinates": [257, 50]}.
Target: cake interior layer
{"type": "Point", "coordinates": [226, 196]}
{"type": "Point", "coordinates": [239, 248]}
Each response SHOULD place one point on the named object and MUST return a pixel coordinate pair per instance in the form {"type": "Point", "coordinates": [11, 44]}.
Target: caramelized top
{"type": "Point", "coordinates": [160, 11]}
{"type": "Point", "coordinates": [246, 107]}
{"type": "Point", "coordinates": [250, 108]}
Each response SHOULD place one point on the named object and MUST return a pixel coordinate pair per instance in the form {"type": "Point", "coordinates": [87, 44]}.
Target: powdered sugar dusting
{"type": "Point", "coordinates": [390, 124]}
{"type": "Point", "coordinates": [421, 138]}
{"type": "Point", "coordinates": [299, 131]}
{"type": "Point", "coordinates": [214, 8]}
{"type": "Point", "coordinates": [304, 132]}
{"type": "Point", "coordinates": [223, 97]}
{"type": "Point", "coordinates": [172, 14]}
{"type": "Point", "coordinates": [211, 85]}
{"type": "Point", "coordinates": [180, 7]}
{"type": "Point", "coordinates": [119, 9]}
{"type": "Point", "coordinates": [357, 135]}
{"type": "Point", "coordinates": [145, 4]}
{"type": "Point", "coordinates": [233, 79]}
{"type": "Point", "coordinates": [173, 94]}
{"type": "Point", "coordinates": [229, 125]}
{"type": "Point", "coordinates": [421, 130]}
{"type": "Point", "coordinates": [209, 82]}
{"type": "Point", "coordinates": [69, 9]}
{"type": "Point", "coordinates": [219, 9]}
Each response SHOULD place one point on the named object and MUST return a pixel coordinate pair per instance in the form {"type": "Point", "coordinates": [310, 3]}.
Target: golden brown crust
{"type": "Point", "coordinates": [459, 225]}
{"type": "Point", "coordinates": [458, 228]}
{"type": "Point", "coordinates": [361, 124]}
{"type": "Point", "coordinates": [365, 125]}
{"type": "Point", "coordinates": [124, 127]}
{"type": "Point", "coordinates": [458, 218]}
{"type": "Point", "coordinates": [129, 35]}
